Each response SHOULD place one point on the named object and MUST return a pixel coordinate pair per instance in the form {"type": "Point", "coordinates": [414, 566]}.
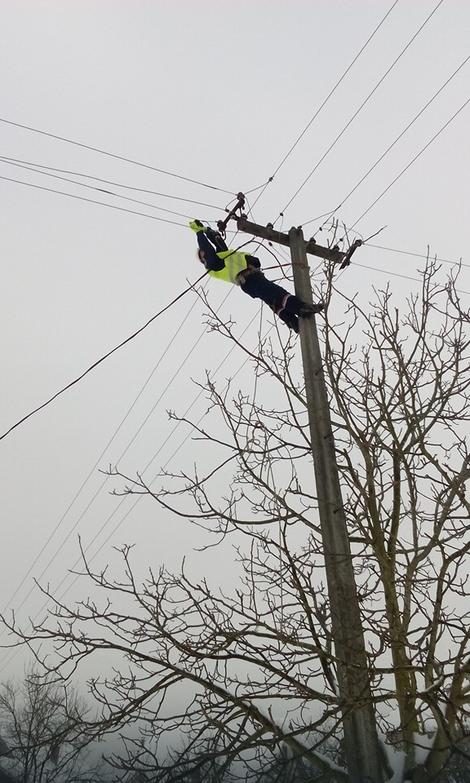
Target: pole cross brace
{"type": "Point", "coordinates": [311, 247]}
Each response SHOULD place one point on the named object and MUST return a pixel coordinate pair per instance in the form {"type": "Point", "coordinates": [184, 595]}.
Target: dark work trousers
{"type": "Point", "coordinates": [284, 304]}
{"type": "Point", "coordinates": [257, 286]}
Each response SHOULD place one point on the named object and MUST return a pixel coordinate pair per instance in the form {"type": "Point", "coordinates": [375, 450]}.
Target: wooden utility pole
{"type": "Point", "coordinates": [362, 750]}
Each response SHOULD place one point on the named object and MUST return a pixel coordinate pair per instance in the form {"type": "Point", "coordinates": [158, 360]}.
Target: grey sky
{"type": "Point", "coordinates": [218, 92]}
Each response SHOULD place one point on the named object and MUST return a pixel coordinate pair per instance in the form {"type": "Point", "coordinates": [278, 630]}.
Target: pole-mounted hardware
{"type": "Point", "coordinates": [268, 232]}
{"type": "Point", "coordinates": [347, 258]}
{"type": "Point", "coordinates": [239, 206]}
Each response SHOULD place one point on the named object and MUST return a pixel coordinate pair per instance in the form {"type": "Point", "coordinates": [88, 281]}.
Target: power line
{"type": "Point", "coordinates": [398, 274]}
{"type": "Point", "coordinates": [152, 460]}
{"type": "Point", "coordinates": [102, 359]}
{"type": "Point", "coordinates": [418, 154]}
{"type": "Point", "coordinates": [417, 255]}
{"type": "Point", "coordinates": [123, 499]}
{"type": "Point", "coordinates": [333, 90]}
{"type": "Point", "coordinates": [125, 450]}
{"type": "Point", "coordinates": [97, 462]}
{"type": "Point", "coordinates": [365, 101]}
{"type": "Point", "coordinates": [105, 449]}
{"type": "Point", "coordinates": [92, 201]}
{"type": "Point", "coordinates": [106, 478]}
{"type": "Point", "coordinates": [374, 165]}
{"type": "Point", "coordinates": [322, 105]}
{"type": "Point", "coordinates": [7, 159]}
{"type": "Point", "coordinates": [253, 190]}
{"type": "Point", "coordinates": [93, 187]}
{"type": "Point", "coordinates": [113, 155]}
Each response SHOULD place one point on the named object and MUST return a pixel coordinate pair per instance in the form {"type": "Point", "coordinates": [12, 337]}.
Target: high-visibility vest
{"type": "Point", "coordinates": [234, 264]}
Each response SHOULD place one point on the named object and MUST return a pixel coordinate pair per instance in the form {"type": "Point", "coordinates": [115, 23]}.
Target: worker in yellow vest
{"type": "Point", "coordinates": [245, 270]}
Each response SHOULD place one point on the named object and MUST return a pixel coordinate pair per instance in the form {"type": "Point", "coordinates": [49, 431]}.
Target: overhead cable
{"type": "Point", "coordinates": [418, 154]}
{"type": "Point", "coordinates": [364, 102]}
{"type": "Point", "coordinates": [253, 190]}
{"type": "Point", "coordinates": [418, 255]}
{"type": "Point", "coordinates": [93, 187]}
{"type": "Point", "coordinates": [106, 478]}
{"type": "Point", "coordinates": [333, 90]}
{"type": "Point", "coordinates": [102, 359]}
{"type": "Point", "coordinates": [113, 350]}
{"type": "Point", "coordinates": [92, 201]}
{"type": "Point", "coordinates": [124, 452]}
{"type": "Point", "coordinates": [105, 524]}
{"type": "Point", "coordinates": [113, 155]}
{"type": "Point", "coordinates": [97, 462]}
{"type": "Point", "coordinates": [398, 274]}
{"type": "Point", "coordinates": [380, 159]}
{"type": "Point", "coordinates": [330, 94]}
{"type": "Point", "coordinates": [7, 158]}
{"type": "Point", "coordinates": [152, 460]}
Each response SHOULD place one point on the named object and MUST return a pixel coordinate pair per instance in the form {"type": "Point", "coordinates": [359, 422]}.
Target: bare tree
{"type": "Point", "coordinates": [40, 723]}
{"type": "Point", "coordinates": [402, 401]}
{"type": "Point", "coordinates": [253, 673]}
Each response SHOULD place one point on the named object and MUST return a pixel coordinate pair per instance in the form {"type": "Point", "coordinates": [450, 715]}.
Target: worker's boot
{"type": "Point", "coordinates": [291, 320]}
{"type": "Point", "coordinates": [298, 307]}
{"type": "Point", "coordinates": [305, 310]}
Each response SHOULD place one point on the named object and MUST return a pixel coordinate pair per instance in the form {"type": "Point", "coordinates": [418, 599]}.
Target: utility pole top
{"type": "Point", "coordinates": [311, 247]}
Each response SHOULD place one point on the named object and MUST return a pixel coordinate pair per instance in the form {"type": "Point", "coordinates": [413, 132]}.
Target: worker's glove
{"type": "Point", "coordinates": [197, 226]}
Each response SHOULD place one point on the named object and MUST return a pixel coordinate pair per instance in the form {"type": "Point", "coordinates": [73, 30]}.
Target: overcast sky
{"type": "Point", "coordinates": [215, 92]}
